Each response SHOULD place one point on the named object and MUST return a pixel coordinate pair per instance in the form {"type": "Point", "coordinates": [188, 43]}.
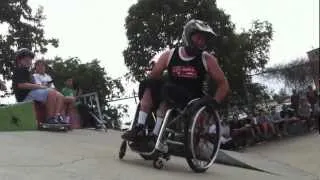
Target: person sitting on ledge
{"type": "Point", "coordinates": [25, 90]}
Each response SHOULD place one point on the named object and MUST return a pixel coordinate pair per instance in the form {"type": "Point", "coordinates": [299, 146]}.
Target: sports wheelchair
{"type": "Point", "coordinates": [192, 132]}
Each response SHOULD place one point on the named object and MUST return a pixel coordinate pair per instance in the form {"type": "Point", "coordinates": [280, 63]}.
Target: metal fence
{"type": "Point", "coordinates": [92, 101]}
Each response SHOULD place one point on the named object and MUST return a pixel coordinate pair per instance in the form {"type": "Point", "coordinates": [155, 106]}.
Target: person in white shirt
{"type": "Point", "coordinates": [40, 76]}
{"type": "Point", "coordinates": [226, 138]}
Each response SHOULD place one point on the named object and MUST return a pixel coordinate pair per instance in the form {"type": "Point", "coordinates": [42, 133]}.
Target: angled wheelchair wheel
{"type": "Point", "coordinates": [123, 149]}
{"type": "Point", "coordinates": [203, 139]}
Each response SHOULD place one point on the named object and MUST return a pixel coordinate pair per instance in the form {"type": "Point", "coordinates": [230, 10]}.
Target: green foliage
{"type": "Point", "coordinates": [154, 25]}
{"type": "Point", "coordinates": [258, 93]}
{"type": "Point", "coordinates": [25, 29]}
{"type": "Point", "coordinates": [89, 77]}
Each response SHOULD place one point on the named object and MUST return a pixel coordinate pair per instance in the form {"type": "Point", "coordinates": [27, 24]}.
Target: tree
{"type": "Point", "coordinates": [153, 26]}
{"type": "Point", "coordinates": [89, 77]}
{"type": "Point", "coordinates": [281, 96]}
{"type": "Point", "coordinates": [25, 29]}
{"type": "Point", "coordinates": [296, 74]}
{"type": "Point", "coordinates": [258, 93]}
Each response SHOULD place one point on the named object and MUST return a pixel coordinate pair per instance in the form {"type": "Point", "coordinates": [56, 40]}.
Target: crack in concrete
{"type": "Point", "coordinates": [60, 164]}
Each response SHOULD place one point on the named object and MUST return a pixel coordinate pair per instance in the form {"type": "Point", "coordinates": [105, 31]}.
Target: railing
{"type": "Point", "coordinates": [92, 101]}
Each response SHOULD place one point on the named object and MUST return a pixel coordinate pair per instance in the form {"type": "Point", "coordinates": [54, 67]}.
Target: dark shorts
{"type": "Point", "coordinates": [169, 92]}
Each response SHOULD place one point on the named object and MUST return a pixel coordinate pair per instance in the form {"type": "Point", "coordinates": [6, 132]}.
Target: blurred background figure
{"type": "Point", "coordinates": [3, 86]}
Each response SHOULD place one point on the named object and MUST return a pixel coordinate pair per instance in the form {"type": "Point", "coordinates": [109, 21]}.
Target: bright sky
{"type": "Point", "coordinates": [95, 29]}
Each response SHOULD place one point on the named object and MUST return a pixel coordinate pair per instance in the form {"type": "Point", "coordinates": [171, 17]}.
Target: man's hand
{"type": "Point", "coordinates": [209, 101]}
{"type": "Point", "coordinates": [31, 86]}
{"type": "Point", "coordinates": [204, 101]}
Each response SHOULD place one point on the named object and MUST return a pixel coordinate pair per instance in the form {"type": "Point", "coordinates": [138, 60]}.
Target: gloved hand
{"type": "Point", "coordinates": [209, 101]}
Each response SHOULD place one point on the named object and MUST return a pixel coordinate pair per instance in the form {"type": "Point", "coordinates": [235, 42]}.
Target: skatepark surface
{"type": "Point", "coordinates": [89, 154]}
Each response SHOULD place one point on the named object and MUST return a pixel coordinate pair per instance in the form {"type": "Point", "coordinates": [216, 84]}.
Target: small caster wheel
{"type": "Point", "coordinates": [67, 129]}
{"type": "Point", "coordinates": [121, 155]}
{"type": "Point", "coordinates": [63, 129]}
{"type": "Point", "coordinates": [123, 149]}
{"type": "Point", "coordinates": [167, 157]}
{"type": "Point", "coordinates": [158, 164]}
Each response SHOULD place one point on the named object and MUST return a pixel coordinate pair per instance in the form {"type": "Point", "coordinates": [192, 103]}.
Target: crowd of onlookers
{"type": "Point", "coordinates": [241, 129]}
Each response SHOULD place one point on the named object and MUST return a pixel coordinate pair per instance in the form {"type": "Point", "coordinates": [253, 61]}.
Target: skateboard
{"type": "Point", "coordinates": [55, 127]}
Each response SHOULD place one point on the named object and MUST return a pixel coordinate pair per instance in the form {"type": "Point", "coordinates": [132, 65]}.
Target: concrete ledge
{"type": "Point", "coordinates": [20, 116]}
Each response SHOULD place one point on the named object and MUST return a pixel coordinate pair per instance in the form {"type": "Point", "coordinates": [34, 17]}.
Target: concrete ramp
{"type": "Point", "coordinates": [262, 164]}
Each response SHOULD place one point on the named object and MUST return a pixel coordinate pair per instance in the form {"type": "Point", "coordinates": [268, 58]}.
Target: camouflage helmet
{"type": "Point", "coordinates": [24, 52]}
{"type": "Point", "coordinates": [194, 26]}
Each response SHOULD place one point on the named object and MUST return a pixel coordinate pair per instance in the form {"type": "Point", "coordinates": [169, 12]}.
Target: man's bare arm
{"type": "Point", "coordinates": [217, 74]}
{"type": "Point", "coordinates": [30, 86]}
{"type": "Point", "coordinates": [160, 65]}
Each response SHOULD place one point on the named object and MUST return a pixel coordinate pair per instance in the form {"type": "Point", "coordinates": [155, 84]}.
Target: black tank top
{"type": "Point", "coordinates": [189, 74]}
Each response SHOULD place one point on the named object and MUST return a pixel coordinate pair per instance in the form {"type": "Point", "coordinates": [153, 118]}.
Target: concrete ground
{"type": "Point", "coordinates": [302, 152]}
{"type": "Point", "coordinates": [88, 154]}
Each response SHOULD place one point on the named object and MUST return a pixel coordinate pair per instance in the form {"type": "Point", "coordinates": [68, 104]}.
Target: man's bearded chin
{"type": "Point", "coordinates": [194, 51]}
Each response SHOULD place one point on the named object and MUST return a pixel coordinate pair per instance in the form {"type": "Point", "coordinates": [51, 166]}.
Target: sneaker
{"type": "Point", "coordinates": [67, 119]}
{"type": "Point", "coordinates": [132, 134]}
{"type": "Point", "coordinates": [101, 127]}
{"type": "Point", "coordinates": [62, 120]}
{"type": "Point", "coordinates": [52, 120]}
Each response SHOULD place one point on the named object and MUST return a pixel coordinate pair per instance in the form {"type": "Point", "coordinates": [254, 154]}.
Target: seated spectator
{"type": "Point", "coordinates": [295, 101]}
{"type": "Point", "coordinates": [256, 126]}
{"type": "Point", "coordinates": [304, 111]}
{"type": "Point", "coordinates": [278, 122]}
{"type": "Point", "coordinates": [3, 86]}
{"type": "Point", "coordinates": [248, 130]}
{"type": "Point", "coordinates": [255, 129]}
{"type": "Point", "coordinates": [304, 108]}
{"type": "Point", "coordinates": [239, 133]}
{"type": "Point", "coordinates": [25, 90]}
{"type": "Point", "coordinates": [40, 76]}
{"type": "Point", "coordinates": [226, 139]}
{"type": "Point", "coordinates": [68, 90]}
{"type": "Point", "coordinates": [312, 98]}
{"type": "Point", "coordinates": [265, 124]}
{"type": "Point", "coordinates": [70, 96]}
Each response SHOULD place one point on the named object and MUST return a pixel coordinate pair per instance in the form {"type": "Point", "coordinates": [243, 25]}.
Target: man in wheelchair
{"type": "Point", "coordinates": [187, 67]}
